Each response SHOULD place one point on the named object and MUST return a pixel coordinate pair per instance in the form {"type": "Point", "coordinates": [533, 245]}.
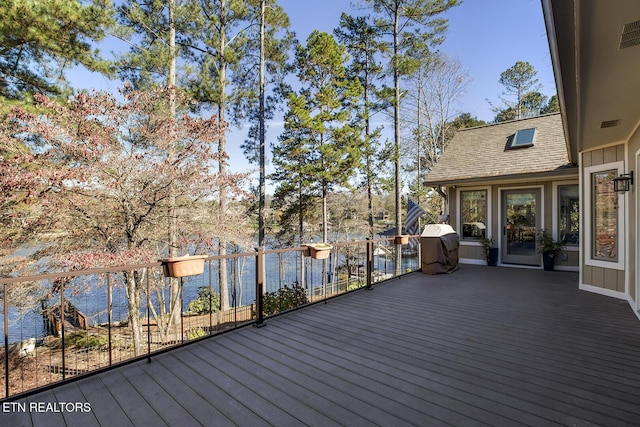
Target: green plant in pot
{"type": "Point", "coordinates": [549, 248]}
{"type": "Point", "coordinates": [490, 253]}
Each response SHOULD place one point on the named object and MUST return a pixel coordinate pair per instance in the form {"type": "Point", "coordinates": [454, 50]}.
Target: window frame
{"type": "Point", "coordinates": [488, 229]}
{"type": "Point", "coordinates": [515, 144]}
{"type": "Point", "coordinates": [555, 206]}
{"type": "Point", "coordinates": [587, 210]}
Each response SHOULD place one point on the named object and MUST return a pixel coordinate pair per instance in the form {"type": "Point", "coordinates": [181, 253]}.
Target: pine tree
{"type": "Point", "coordinates": [521, 84]}
{"type": "Point", "coordinates": [263, 85]}
{"type": "Point", "coordinates": [39, 40]}
{"type": "Point", "coordinates": [363, 43]}
{"type": "Point", "coordinates": [397, 18]}
{"type": "Point", "coordinates": [319, 147]}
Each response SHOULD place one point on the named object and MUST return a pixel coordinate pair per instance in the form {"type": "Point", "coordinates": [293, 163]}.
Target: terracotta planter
{"type": "Point", "coordinates": [402, 240]}
{"type": "Point", "coordinates": [183, 266]}
{"type": "Point", "coordinates": [319, 250]}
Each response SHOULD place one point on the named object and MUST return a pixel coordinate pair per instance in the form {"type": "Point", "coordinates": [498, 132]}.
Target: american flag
{"type": "Point", "coordinates": [414, 212]}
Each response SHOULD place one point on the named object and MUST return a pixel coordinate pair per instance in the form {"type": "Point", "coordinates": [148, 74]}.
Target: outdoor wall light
{"type": "Point", "coordinates": [623, 182]}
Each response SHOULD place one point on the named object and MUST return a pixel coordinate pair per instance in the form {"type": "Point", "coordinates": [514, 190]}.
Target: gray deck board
{"type": "Point", "coordinates": [103, 404]}
{"type": "Point", "coordinates": [185, 394]}
{"type": "Point", "coordinates": [158, 398]}
{"type": "Point", "coordinates": [461, 380]}
{"type": "Point", "coordinates": [72, 393]}
{"type": "Point", "coordinates": [384, 400]}
{"type": "Point", "coordinates": [524, 355]}
{"type": "Point", "coordinates": [353, 409]}
{"type": "Point", "coordinates": [481, 346]}
{"type": "Point", "coordinates": [208, 385]}
{"type": "Point", "coordinates": [232, 381]}
{"type": "Point", "coordinates": [420, 375]}
{"type": "Point", "coordinates": [130, 399]}
{"type": "Point", "coordinates": [294, 380]}
{"type": "Point", "coordinates": [271, 388]}
{"type": "Point", "coordinates": [45, 417]}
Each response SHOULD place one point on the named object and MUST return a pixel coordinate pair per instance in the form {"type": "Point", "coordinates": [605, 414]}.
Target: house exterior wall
{"type": "Point", "coordinates": [470, 252]}
{"type": "Point", "coordinates": [633, 204]}
{"type": "Point", "coordinates": [633, 232]}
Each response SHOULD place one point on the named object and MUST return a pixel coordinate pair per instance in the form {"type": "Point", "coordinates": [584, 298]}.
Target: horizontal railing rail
{"type": "Point", "coordinates": [61, 325]}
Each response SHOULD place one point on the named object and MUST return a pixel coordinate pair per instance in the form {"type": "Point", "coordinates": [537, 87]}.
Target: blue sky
{"type": "Point", "coordinates": [485, 36]}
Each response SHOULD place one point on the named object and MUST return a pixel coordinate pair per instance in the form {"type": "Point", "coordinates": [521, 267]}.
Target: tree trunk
{"type": "Point", "coordinates": [133, 302]}
{"type": "Point", "coordinates": [300, 214]}
{"type": "Point", "coordinates": [262, 183]}
{"type": "Point", "coordinates": [222, 166]}
{"type": "Point", "coordinates": [367, 136]}
{"type": "Point", "coordinates": [174, 300]}
{"type": "Point", "coordinates": [325, 226]}
{"type": "Point", "coordinates": [396, 127]}
{"type": "Point", "coordinates": [418, 135]}
{"type": "Point", "coordinates": [160, 314]}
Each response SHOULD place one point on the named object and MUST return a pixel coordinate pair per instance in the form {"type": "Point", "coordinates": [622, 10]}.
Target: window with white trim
{"type": "Point", "coordinates": [604, 220]}
{"type": "Point", "coordinates": [473, 214]}
{"type": "Point", "coordinates": [569, 214]}
{"type": "Point", "coordinates": [604, 216]}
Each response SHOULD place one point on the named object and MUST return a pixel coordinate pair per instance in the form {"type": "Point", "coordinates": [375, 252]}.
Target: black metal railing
{"type": "Point", "coordinates": [60, 325]}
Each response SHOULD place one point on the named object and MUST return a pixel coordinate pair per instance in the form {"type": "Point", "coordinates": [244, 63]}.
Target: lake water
{"type": "Point", "coordinates": [90, 296]}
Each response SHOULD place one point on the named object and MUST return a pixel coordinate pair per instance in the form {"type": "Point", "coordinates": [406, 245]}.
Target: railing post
{"type": "Point", "coordinates": [369, 262]}
{"type": "Point", "coordinates": [259, 286]}
{"type": "Point", "coordinates": [303, 277]}
{"type": "Point", "coordinates": [64, 367]}
{"type": "Point", "coordinates": [109, 317]}
{"type": "Point", "coordinates": [6, 342]}
{"type": "Point", "coordinates": [211, 297]}
{"type": "Point", "coordinates": [419, 254]}
{"type": "Point", "coordinates": [181, 316]}
{"type": "Point", "coordinates": [148, 316]}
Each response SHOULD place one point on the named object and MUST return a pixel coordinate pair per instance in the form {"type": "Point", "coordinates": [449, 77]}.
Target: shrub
{"type": "Point", "coordinates": [205, 302]}
{"type": "Point", "coordinates": [355, 285]}
{"type": "Point", "coordinates": [284, 299]}
{"type": "Point", "coordinates": [196, 333]}
{"type": "Point", "coordinates": [83, 340]}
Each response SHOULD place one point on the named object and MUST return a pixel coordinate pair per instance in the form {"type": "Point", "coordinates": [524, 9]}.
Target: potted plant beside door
{"type": "Point", "coordinates": [490, 253]}
{"type": "Point", "coordinates": [549, 248]}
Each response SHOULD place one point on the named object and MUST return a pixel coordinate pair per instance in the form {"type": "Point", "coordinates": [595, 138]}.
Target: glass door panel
{"type": "Point", "coordinates": [520, 220]}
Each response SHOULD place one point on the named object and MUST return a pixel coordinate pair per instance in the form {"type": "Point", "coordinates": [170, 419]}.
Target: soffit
{"type": "Point", "coordinates": [599, 82]}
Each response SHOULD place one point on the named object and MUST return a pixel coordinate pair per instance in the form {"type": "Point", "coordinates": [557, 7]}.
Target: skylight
{"type": "Point", "coordinates": [523, 138]}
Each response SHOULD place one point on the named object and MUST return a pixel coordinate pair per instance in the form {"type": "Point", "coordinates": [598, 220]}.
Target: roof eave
{"type": "Point", "coordinates": [567, 82]}
{"type": "Point", "coordinates": [565, 172]}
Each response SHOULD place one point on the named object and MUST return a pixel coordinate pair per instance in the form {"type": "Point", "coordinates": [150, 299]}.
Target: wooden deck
{"type": "Point", "coordinates": [481, 346]}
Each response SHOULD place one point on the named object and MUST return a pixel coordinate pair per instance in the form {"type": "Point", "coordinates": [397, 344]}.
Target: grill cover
{"type": "Point", "coordinates": [439, 245]}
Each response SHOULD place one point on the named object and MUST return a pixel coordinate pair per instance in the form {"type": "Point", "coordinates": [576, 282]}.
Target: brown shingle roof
{"type": "Point", "coordinates": [482, 152]}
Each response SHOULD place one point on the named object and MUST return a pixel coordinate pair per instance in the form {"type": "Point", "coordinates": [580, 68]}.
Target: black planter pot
{"type": "Point", "coordinates": [548, 261]}
{"type": "Point", "coordinates": [492, 258]}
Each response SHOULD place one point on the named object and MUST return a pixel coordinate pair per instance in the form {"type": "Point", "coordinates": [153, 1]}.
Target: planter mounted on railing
{"type": "Point", "coordinates": [183, 266]}
{"type": "Point", "coordinates": [319, 250]}
{"type": "Point", "coordinates": [402, 239]}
